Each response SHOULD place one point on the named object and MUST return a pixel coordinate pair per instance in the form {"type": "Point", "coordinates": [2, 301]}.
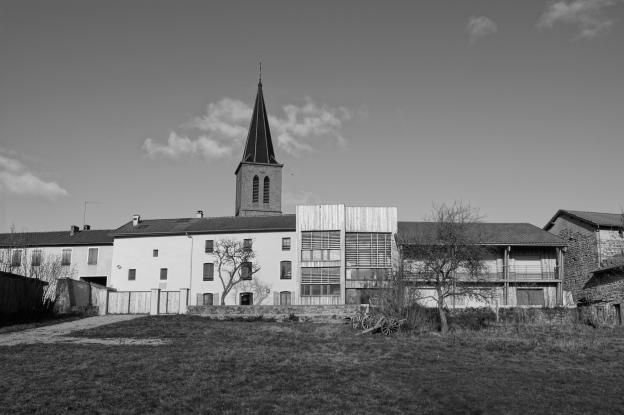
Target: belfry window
{"type": "Point", "coordinates": [266, 190]}
{"type": "Point", "coordinates": [255, 190]}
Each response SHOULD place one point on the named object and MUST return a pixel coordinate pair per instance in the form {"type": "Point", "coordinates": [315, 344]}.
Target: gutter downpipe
{"type": "Point", "coordinates": [190, 269]}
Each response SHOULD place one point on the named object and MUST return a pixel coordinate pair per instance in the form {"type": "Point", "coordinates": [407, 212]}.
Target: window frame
{"type": "Point", "coordinates": [246, 271]}
{"type": "Point", "coordinates": [89, 256]}
{"type": "Point", "coordinates": [247, 244]}
{"type": "Point", "coordinates": [164, 272]}
{"type": "Point", "coordinates": [155, 253]}
{"type": "Point", "coordinates": [16, 258]}
{"type": "Point", "coordinates": [286, 243]}
{"type": "Point", "coordinates": [65, 263]}
{"type": "Point", "coordinates": [266, 190]}
{"type": "Point", "coordinates": [255, 189]}
{"type": "Point", "coordinates": [131, 274]}
{"type": "Point", "coordinates": [209, 277]}
{"type": "Point", "coordinates": [209, 246]}
{"type": "Point", "coordinates": [285, 275]}
{"type": "Point", "coordinates": [36, 258]}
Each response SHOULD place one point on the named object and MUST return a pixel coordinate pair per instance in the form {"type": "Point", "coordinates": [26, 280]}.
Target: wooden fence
{"type": "Point", "coordinates": [169, 302]}
{"type": "Point", "coordinates": [129, 302]}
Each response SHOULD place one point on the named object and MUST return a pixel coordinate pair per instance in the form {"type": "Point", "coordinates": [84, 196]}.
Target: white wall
{"type": "Point", "coordinates": [136, 253]}
{"type": "Point", "coordinates": [79, 266]}
{"type": "Point", "coordinates": [174, 253]}
{"type": "Point", "coordinates": [267, 247]}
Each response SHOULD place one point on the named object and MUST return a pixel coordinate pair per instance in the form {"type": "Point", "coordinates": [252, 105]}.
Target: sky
{"type": "Point", "coordinates": [514, 107]}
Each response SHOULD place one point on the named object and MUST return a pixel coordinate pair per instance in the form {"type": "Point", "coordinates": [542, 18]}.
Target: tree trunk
{"type": "Point", "coordinates": [443, 322]}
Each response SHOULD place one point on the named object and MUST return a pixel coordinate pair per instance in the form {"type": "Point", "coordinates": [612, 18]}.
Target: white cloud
{"type": "Point", "coordinates": [479, 27]}
{"type": "Point", "coordinates": [223, 129]}
{"type": "Point", "coordinates": [178, 146]}
{"type": "Point", "coordinates": [587, 15]}
{"type": "Point", "coordinates": [16, 179]}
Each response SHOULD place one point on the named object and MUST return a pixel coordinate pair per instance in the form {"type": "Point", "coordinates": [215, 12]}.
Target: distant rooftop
{"type": "Point", "coordinates": [226, 224]}
{"type": "Point", "coordinates": [597, 219]}
{"type": "Point", "coordinates": [57, 238]}
{"type": "Point", "coordinates": [524, 234]}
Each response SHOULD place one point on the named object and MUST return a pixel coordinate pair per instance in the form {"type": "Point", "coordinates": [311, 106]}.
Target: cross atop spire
{"type": "Point", "coordinates": [259, 146]}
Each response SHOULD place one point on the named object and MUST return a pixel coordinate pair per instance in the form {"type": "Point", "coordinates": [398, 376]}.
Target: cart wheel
{"type": "Point", "coordinates": [386, 327]}
{"type": "Point", "coordinates": [355, 321]}
{"type": "Point", "coordinates": [394, 326]}
{"type": "Point", "coordinates": [366, 322]}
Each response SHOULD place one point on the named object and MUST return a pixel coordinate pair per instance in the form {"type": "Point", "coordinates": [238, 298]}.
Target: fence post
{"type": "Point", "coordinates": [184, 300]}
{"type": "Point", "coordinates": [154, 301]}
{"type": "Point", "coordinates": [102, 302]}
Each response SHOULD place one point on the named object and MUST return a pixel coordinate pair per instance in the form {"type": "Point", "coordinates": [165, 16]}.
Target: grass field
{"type": "Point", "coordinates": [263, 367]}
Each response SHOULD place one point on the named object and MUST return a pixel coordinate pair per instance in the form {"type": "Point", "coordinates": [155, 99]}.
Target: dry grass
{"type": "Point", "coordinates": [261, 367]}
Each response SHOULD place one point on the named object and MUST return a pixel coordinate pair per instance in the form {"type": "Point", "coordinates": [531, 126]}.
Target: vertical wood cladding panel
{"type": "Point", "coordinates": [320, 217]}
{"type": "Point", "coordinates": [371, 219]}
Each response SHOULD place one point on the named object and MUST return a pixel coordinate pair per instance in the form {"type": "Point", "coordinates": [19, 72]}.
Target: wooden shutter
{"type": "Point", "coordinates": [200, 299]}
{"type": "Point", "coordinates": [276, 298]}
{"type": "Point", "coordinates": [215, 299]}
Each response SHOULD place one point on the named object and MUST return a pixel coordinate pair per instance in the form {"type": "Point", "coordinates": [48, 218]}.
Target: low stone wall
{"type": "Point", "coordinates": [316, 313]}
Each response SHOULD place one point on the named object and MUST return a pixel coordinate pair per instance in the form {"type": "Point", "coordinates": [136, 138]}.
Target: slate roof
{"type": "Point", "coordinates": [259, 145]}
{"type": "Point", "coordinates": [227, 224]}
{"type": "Point", "coordinates": [524, 234]}
{"type": "Point", "coordinates": [57, 238]}
{"type": "Point", "coordinates": [597, 219]}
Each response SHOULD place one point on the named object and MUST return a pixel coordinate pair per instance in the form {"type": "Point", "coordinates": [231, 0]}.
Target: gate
{"type": "Point", "coordinates": [169, 302]}
{"type": "Point", "coordinates": [128, 302]}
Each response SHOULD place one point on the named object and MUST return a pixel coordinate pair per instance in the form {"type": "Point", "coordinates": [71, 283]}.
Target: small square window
{"type": "Point", "coordinates": [131, 274]}
{"type": "Point", "coordinates": [163, 273]}
{"type": "Point", "coordinates": [209, 246]}
{"type": "Point", "coordinates": [155, 253]}
{"type": "Point", "coordinates": [285, 244]}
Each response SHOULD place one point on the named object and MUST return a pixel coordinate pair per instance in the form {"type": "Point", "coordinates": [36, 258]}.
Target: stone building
{"type": "Point", "coordinates": [593, 241]}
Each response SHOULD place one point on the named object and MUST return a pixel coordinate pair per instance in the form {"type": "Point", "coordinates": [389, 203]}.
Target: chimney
{"type": "Point", "coordinates": [74, 230]}
{"type": "Point", "coordinates": [199, 214]}
{"type": "Point", "coordinates": [86, 227]}
{"type": "Point", "coordinates": [136, 219]}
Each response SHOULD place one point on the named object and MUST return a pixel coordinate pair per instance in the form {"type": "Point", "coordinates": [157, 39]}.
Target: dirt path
{"type": "Point", "coordinates": [57, 333]}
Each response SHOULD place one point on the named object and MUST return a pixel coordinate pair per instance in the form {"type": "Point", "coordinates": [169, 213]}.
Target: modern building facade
{"type": "Point", "coordinates": [524, 264]}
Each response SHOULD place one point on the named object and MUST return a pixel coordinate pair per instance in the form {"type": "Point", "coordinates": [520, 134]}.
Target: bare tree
{"type": "Point", "coordinates": [448, 258]}
{"type": "Point", "coordinates": [235, 263]}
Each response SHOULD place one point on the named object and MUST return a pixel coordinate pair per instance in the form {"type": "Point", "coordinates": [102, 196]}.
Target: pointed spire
{"type": "Point", "coordinates": [259, 146]}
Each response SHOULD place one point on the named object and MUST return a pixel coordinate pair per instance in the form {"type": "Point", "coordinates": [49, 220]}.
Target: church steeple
{"type": "Point", "coordinates": [259, 145]}
{"type": "Point", "coordinates": [259, 175]}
